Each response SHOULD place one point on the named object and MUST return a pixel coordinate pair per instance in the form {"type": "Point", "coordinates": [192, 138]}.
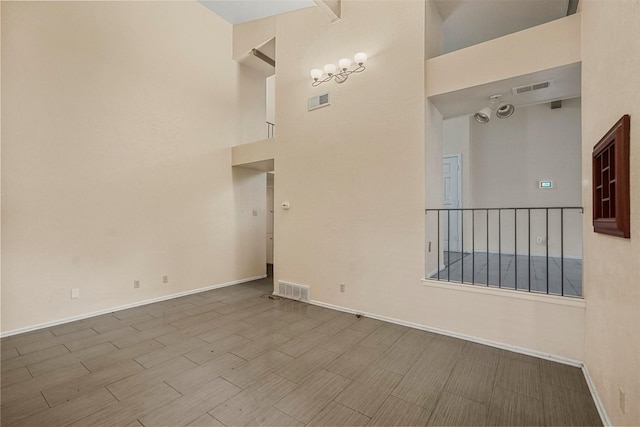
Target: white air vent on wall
{"type": "Point", "coordinates": [530, 88]}
{"type": "Point", "coordinates": [319, 101]}
{"type": "Point", "coordinates": [293, 291]}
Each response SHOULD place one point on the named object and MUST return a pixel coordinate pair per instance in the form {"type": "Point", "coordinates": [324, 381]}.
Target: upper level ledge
{"type": "Point", "coordinates": [507, 293]}
{"type": "Point", "coordinates": [254, 155]}
{"type": "Point", "coordinates": [551, 45]}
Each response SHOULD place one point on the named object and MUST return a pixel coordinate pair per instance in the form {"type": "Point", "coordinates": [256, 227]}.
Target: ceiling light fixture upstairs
{"type": "Point", "coordinates": [502, 112]}
{"type": "Point", "coordinates": [505, 110]}
{"type": "Point", "coordinates": [339, 73]}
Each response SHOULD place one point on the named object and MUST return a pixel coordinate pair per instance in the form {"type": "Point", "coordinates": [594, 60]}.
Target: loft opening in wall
{"type": "Point", "coordinates": [611, 207]}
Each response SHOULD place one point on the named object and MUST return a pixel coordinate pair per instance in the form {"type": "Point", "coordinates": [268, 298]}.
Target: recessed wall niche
{"type": "Point", "coordinates": [611, 206]}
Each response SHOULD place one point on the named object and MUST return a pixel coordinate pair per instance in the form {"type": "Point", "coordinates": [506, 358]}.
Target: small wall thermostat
{"type": "Point", "coordinates": [285, 205]}
{"type": "Point", "coordinates": [545, 185]}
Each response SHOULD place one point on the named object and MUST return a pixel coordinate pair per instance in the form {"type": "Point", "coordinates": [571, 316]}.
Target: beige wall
{"type": "Point", "coordinates": [611, 88]}
{"type": "Point", "coordinates": [542, 325]}
{"type": "Point", "coordinates": [353, 172]}
{"type": "Point", "coordinates": [116, 133]}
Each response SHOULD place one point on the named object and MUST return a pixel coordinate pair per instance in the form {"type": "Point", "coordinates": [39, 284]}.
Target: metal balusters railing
{"type": "Point", "coordinates": [494, 238]}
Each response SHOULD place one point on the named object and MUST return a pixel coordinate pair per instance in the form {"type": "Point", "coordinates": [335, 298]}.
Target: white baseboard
{"type": "Point", "coordinates": [513, 348]}
{"type": "Point", "coordinates": [126, 306]}
{"type": "Point", "coordinates": [596, 398]}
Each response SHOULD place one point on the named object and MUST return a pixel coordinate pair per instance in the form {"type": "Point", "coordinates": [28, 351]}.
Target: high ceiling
{"type": "Point", "coordinates": [465, 23]}
{"type": "Point", "coordinates": [238, 11]}
{"type": "Point", "coordinates": [469, 22]}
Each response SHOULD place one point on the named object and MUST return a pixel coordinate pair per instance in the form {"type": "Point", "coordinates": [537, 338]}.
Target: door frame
{"type": "Point", "coordinates": [458, 156]}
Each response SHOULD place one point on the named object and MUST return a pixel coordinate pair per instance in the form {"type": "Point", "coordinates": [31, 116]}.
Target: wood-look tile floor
{"type": "Point", "coordinates": [233, 357]}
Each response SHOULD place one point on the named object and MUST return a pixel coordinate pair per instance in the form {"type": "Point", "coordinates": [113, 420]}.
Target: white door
{"type": "Point", "coordinates": [451, 195]}
{"type": "Point", "coordinates": [269, 225]}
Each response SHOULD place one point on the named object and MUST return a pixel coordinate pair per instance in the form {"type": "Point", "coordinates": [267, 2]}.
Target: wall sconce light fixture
{"type": "Point", "coordinates": [502, 112]}
{"type": "Point", "coordinates": [339, 73]}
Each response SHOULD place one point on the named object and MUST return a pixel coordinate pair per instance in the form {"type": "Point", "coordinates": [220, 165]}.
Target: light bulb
{"type": "Point", "coordinates": [344, 63]}
{"type": "Point", "coordinates": [483, 116]}
{"type": "Point", "coordinates": [360, 58]}
{"type": "Point", "coordinates": [316, 73]}
{"type": "Point", "coordinates": [330, 69]}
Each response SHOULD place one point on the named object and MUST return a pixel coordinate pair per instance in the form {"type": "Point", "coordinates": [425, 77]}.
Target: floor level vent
{"type": "Point", "coordinates": [293, 291]}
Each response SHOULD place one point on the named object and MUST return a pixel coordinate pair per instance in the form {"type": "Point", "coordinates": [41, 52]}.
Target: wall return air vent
{"type": "Point", "coordinates": [293, 291]}
{"type": "Point", "coordinates": [530, 88]}
{"type": "Point", "coordinates": [319, 101]}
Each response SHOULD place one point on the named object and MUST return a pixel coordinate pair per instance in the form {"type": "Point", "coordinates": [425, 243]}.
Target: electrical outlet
{"type": "Point", "coordinates": [165, 279]}
{"type": "Point", "coordinates": [622, 400]}
{"type": "Point", "coordinates": [342, 286]}
{"type": "Point", "coordinates": [136, 284]}
{"type": "Point", "coordinates": [75, 293]}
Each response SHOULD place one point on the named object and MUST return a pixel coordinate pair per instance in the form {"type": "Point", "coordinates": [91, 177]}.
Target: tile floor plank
{"type": "Point", "coordinates": [336, 414]}
{"type": "Point", "coordinates": [453, 410]}
{"type": "Point", "coordinates": [27, 338]}
{"type": "Point", "coordinates": [15, 376]}
{"type": "Point", "coordinates": [520, 377]}
{"type": "Point", "coordinates": [28, 387]}
{"type": "Point", "coordinates": [78, 343]}
{"type": "Point", "coordinates": [508, 408]}
{"type": "Point", "coordinates": [343, 341]}
{"type": "Point", "coordinates": [43, 344]}
{"type": "Point", "coordinates": [246, 373]}
{"type": "Point", "coordinates": [70, 411]}
{"type": "Point", "coordinates": [35, 357]}
{"type": "Point", "coordinates": [129, 410]}
{"type": "Point", "coordinates": [189, 407]}
{"type": "Point", "coordinates": [26, 406]}
{"type": "Point", "coordinates": [205, 420]}
{"type": "Point", "coordinates": [254, 401]}
{"type": "Point", "coordinates": [300, 369]}
{"type": "Point", "coordinates": [302, 343]}
{"type": "Point", "coordinates": [8, 352]}
{"type": "Point", "coordinates": [137, 383]}
{"type": "Point", "coordinates": [563, 407]}
{"type": "Point", "coordinates": [135, 337]}
{"type": "Point", "coordinates": [369, 391]}
{"type": "Point", "coordinates": [565, 376]}
{"type": "Point", "coordinates": [186, 382]}
{"type": "Point", "coordinates": [216, 348]}
{"type": "Point", "coordinates": [169, 352]}
{"type": "Point", "coordinates": [481, 354]}
{"type": "Point", "coordinates": [258, 346]}
{"type": "Point", "coordinates": [78, 387]}
{"type": "Point", "coordinates": [273, 417]}
{"type": "Point", "coordinates": [397, 412]}
{"type": "Point", "coordinates": [104, 360]}
{"type": "Point", "coordinates": [69, 359]}
{"type": "Point", "coordinates": [472, 381]}
{"type": "Point", "coordinates": [425, 381]}
{"type": "Point", "coordinates": [306, 401]}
